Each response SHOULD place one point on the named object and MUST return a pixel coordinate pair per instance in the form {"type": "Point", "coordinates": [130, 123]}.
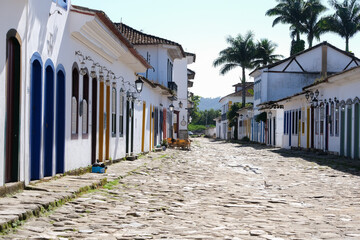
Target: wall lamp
{"type": "Point", "coordinates": [180, 104]}
{"type": "Point", "coordinates": [171, 107]}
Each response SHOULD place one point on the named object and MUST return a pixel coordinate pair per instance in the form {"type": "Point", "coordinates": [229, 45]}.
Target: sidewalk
{"type": "Point", "coordinates": [44, 196]}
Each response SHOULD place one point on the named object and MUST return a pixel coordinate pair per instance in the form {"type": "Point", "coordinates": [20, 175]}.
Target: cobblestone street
{"type": "Point", "coordinates": [217, 190]}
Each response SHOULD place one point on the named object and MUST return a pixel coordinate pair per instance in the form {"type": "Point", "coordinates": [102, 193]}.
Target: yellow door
{"type": "Point", "coordinates": [107, 137]}
{"type": "Point", "coordinates": [143, 127]}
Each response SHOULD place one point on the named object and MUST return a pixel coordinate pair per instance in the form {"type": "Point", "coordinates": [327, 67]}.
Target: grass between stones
{"type": "Point", "coordinates": [47, 208]}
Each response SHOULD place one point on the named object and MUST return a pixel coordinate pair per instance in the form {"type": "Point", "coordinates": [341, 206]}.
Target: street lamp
{"type": "Point", "coordinates": [171, 107]}
{"type": "Point", "coordinates": [139, 85]}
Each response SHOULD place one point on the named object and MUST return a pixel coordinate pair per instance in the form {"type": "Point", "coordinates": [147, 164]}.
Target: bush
{"type": "Point", "coordinates": [196, 128]}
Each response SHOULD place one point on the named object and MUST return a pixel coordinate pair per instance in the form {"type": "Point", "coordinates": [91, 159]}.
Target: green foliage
{"type": "Point", "coordinates": [261, 117]}
{"type": "Point", "coordinates": [196, 128]}
{"type": "Point", "coordinates": [232, 114]}
{"type": "Point", "coordinates": [345, 21]}
{"type": "Point", "coordinates": [297, 46]}
{"type": "Point", "coordinates": [251, 91]}
{"type": "Point", "coordinates": [205, 117]}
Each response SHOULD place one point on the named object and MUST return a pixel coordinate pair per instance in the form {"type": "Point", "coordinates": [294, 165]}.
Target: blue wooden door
{"type": "Point", "coordinates": [289, 127]}
{"type": "Point", "coordinates": [35, 117]}
{"type": "Point", "coordinates": [60, 122]}
{"type": "Point", "coordinates": [48, 121]}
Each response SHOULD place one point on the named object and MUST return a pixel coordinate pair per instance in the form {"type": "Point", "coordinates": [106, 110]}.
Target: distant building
{"type": "Point", "coordinates": [222, 125]}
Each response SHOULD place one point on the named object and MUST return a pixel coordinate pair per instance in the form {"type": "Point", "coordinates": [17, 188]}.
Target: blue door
{"type": "Point", "coordinates": [60, 121]}
{"type": "Point", "coordinates": [289, 127]}
{"type": "Point", "coordinates": [35, 116]}
{"type": "Point", "coordinates": [48, 120]}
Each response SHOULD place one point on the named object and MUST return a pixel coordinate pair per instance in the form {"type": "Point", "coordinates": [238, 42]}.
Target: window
{"type": "Point", "coordinates": [337, 113]}
{"type": "Point", "coordinates": [113, 112]}
{"type": "Point", "coordinates": [85, 107]}
{"type": "Point", "coordinates": [61, 3]}
{"type": "Point", "coordinates": [121, 113]}
{"type": "Point", "coordinates": [74, 102]}
{"type": "Point", "coordinates": [293, 122]}
{"type": "Point", "coordinates": [285, 123]}
{"type": "Point", "coordinates": [302, 119]}
{"type": "Point", "coordinates": [322, 118]}
{"type": "Point", "coordinates": [317, 121]}
{"type": "Point", "coordinates": [296, 122]}
{"type": "Point", "coordinates": [84, 118]}
{"type": "Point", "coordinates": [169, 71]}
{"type": "Point", "coordinates": [257, 90]}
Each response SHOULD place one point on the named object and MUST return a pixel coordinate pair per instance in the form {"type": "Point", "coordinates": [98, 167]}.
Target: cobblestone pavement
{"type": "Point", "coordinates": [216, 191]}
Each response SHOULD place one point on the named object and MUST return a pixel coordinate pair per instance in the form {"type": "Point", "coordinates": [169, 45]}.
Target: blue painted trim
{"type": "Point", "coordinates": [36, 56]}
{"type": "Point", "coordinates": [62, 3]}
{"type": "Point", "coordinates": [60, 67]}
{"type": "Point", "coordinates": [49, 63]}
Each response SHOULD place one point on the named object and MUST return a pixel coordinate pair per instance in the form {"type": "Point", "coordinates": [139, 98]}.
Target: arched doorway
{"type": "Point", "coordinates": [12, 122]}
{"type": "Point", "coordinates": [60, 120]}
{"type": "Point", "coordinates": [35, 116]}
{"type": "Point", "coordinates": [48, 119]}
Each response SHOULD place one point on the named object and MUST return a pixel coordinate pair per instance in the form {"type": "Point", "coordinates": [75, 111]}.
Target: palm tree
{"type": "Point", "coordinates": [265, 53]}
{"type": "Point", "coordinates": [288, 12]}
{"type": "Point", "coordinates": [345, 21]}
{"type": "Point", "coordinates": [240, 53]}
{"type": "Point", "coordinates": [310, 24]}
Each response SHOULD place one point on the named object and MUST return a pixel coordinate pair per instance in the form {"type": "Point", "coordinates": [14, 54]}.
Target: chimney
{"type": "Point", "coordinates": [324, 61]}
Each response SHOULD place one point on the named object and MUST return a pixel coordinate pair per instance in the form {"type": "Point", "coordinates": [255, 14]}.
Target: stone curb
{"type": "Point", "coordinates": [28, 209]}
{"type": "Point", "coordinates": [43, 196]}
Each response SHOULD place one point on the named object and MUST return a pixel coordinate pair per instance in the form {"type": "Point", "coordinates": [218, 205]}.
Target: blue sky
{"type": "Point", "coordinates": [201, 27]}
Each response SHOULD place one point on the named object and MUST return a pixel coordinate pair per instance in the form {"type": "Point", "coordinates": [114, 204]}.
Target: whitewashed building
{"type": "Point", "coordinates": [288, 77]}
{"type": "Point", "coordinates": [170, 74]}
{"type": "Point", "coordinates": [226, 103]}
{"type": "Point", "coordinates": [328, 115]}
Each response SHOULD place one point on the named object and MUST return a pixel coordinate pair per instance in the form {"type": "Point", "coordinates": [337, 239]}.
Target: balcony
{"type": "Point", "coordinates": [172, 86]}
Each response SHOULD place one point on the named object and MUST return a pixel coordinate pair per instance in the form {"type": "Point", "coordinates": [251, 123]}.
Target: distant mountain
{"type": "Point", "coordinates": [209, 103]}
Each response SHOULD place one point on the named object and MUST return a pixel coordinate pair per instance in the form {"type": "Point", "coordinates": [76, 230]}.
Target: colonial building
{"type": "Point", "coordinates": [222, 125]}
{"type": "Point", "coordinates": [169, 62]}
{"type": "Point", "coordinates": [75, 90]}
{"type": "Point", "coordinates": [288, 77]}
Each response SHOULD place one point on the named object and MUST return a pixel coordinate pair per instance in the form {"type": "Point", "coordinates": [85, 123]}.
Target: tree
{"type": "Point", "coordinates": [195, 115]}
{"type": "Point", "coordinates": [240, 53]}
{"type": "Point", "coordinates": [311, 23]}
{"type": "Point", "coordinates": [345, 21]}
{"type": "Point", "coordinates": [288, 12]}
{"type": "Point", "coordinates": [265, 53]}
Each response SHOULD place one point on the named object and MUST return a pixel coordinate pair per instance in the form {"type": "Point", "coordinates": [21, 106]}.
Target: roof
{"type": "Point", "coordinates": [305, 51]}
{"type": "Point", "coordinates": [191, 55]}
{"type": "Point", "coordinates": [239, 93]}
{"type": "Point", "coordinates": [190, 73]}
{"type": "Point", "coordinates": [247, 84]}
{"type": "Point", "coordinates": [106, 20]}
{"type": "Point", "coordinates": [139, 38]}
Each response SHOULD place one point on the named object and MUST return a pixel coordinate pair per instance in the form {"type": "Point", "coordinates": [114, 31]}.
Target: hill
{"type": "Point", "coordinates": [209, 103]}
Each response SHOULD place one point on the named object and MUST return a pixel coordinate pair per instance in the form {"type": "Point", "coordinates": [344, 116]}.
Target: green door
{"type": "Point", "coordinates": [349, 132]}
{"type": "Point", "coordinates": [356, 132]}
{"type": "Point", "coordinates": [342, 133]}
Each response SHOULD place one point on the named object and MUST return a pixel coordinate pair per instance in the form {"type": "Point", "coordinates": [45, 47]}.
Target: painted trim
{"type": "Point", "coordinates": [150, 120]}
{"type": "Point", "coordinates": [101, 121]}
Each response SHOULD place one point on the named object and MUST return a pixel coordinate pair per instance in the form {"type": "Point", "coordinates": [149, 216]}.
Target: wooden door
{"type": "Point", "coordinates": [60, 122]}
{"type": "Point", "coordinates": [48, 121]}
{"type": "Point", "coordinates": [12, 129]}
{"type": "Point", "coordinates": [35, 118]}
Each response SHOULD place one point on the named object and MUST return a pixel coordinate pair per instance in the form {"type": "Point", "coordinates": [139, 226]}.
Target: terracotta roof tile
{"type": "Point", "coordinates": [139, 38]}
